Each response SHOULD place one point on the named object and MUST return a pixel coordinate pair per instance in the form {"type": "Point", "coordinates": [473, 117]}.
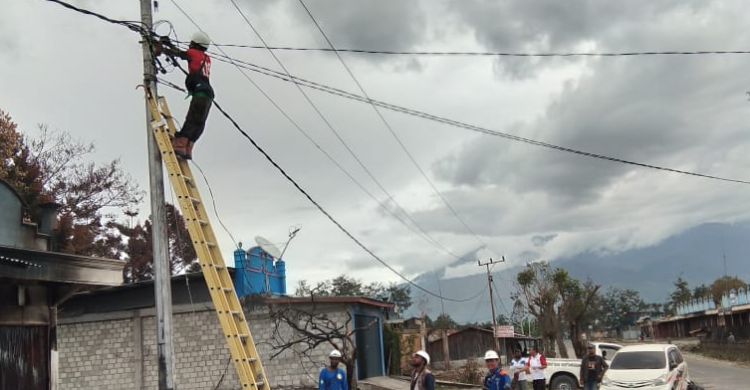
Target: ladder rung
{"type": "Point", "coordinates": [252, 360]}
{"type": "Point", "coordinates": [259, 384]}
{"type": "Point", "coordinates": [210, 244]}
{"type": "Point", "coordinates": [195, 200]}
{"type": "Point", "coordinates": [243, 336]}
{"type": "Point", "coordinates": [234, 312]}
{"type": "Point", "coordinates": [220, 267]}
{"type": "Point", "coordinates": [187, 179]}
{"type": "Point", "coordinates": [227, 289]}
{"type": "Point", "coordinates": [203, 222]}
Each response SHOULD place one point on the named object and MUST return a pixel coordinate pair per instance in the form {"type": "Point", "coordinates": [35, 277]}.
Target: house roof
{"type": "Point", "coordinates": [348, 300]}
{"type": "Point", "coordinates": [25, 264]}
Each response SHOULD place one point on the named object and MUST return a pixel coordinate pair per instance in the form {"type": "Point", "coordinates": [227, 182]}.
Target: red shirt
{"type": "Point", "coordinates": [195, 59]}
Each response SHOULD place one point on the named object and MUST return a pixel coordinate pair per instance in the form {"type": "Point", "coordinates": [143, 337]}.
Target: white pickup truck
{"type": "Point", "coordinates": [562, 374]}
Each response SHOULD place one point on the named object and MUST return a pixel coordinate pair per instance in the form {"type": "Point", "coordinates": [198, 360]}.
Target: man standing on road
{"type": "Point", "coordinates": [332, 377]}
{"type": "Point", "coordinates": [421, 378]}
{"type": "Point", "coordinates": [496, 378]}
{"type": "Point", "coordinates": [593, 368]}
{"type": "Point", "coordinates": [536, 365]}
{"type": "Point", "coordinates": [519, 370]}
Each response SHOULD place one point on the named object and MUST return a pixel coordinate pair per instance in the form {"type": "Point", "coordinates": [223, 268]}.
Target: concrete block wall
{"type": "Point", "coordinates": [96, 355]}
{"type": "Point", "coordinates": [290, 369]}
{"type": "Point", "coordinates": [103, 351]}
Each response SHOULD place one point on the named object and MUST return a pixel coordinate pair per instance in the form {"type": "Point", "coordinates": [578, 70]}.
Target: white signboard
{"type": "Point", "coordinates": [503, 331]}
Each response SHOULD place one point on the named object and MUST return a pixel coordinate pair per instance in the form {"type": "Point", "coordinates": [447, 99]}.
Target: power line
{"type": "Point", "coordinates": [369, 173]}
{"type": "Point", "coordinates": [494, 53]}
{"type": "Point", "coordinates": [420, 114]}
{"type": "Point", "coordinates": [307, 195]}
{"type": "Point", "coordinates": [389, 127]}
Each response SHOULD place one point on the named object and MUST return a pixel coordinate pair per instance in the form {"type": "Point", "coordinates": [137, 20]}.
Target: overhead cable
{"type": "Point", "coordinates": [390, 129]}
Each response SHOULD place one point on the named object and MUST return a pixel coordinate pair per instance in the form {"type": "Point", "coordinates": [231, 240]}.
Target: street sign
{"type": "Point", "coordinates": [503, 331]}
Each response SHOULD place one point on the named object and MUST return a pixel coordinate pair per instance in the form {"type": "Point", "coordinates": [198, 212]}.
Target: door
{"type": "Point", "coordinates": [369, 353]}
{"type": "Point", "coordinates": [24, 358]}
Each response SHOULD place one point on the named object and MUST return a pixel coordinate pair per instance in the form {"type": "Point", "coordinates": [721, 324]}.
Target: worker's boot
{"type": "Point", "coordinates": [189, 150]}
{"type": "Point", "coordinates": [179, 144]}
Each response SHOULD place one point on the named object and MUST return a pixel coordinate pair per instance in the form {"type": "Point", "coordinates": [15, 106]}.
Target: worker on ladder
{"type": "Point", "coordinates": [198, 87]}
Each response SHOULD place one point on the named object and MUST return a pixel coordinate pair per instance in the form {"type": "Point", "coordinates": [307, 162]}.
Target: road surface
{"type": "Point", "coordinates": [717, 375]}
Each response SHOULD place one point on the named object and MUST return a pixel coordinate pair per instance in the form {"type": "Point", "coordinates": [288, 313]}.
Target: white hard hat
{"type": "Point", "coordinates": [201, 38]}
{"type": "Point", "coordinates": [424, 355]}
{"type": "Point", "coordinates": [335, 354]}
{"type": "Point", "coordinates": [489, 355]}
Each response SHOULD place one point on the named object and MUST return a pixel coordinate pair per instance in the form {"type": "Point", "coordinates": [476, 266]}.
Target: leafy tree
{"type": "Point", "coordinates": [444, 321]}
{"type": "Point", "coordinates": [702, 292]}
{"type": "Point", "coordinates": [539, 292]}
{"type": "Point", "coordinates": [723, 286]}
{"type": "Point", "coordinates": [680, 295]}
{"type": "Point", "coordinates": [344, 285]}
{"type": "Point", "coordinates": [615, 305]}
{"type": "Point", "coordinates": [52, 168]}
{"type": "Point", "coordinates": [139, 253]}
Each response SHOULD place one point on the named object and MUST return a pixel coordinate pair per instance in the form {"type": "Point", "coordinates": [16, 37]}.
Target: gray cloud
{"type": "Point", "coordinates": [550, 25]}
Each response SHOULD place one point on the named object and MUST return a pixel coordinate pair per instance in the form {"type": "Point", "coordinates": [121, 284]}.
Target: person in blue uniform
{"type": "Point", "coordinates": [332, 377]}
{"type": "Point", "coordinates": [496, 378]}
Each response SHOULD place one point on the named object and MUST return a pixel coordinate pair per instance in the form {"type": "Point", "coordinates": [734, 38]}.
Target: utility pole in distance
{"type": "Point", "coordinates": [492, 301]}
{"type": "Point", "coordinates": [162, 287]}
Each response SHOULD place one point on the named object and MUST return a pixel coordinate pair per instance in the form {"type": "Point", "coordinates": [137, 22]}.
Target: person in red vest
{"type": "Point", "coordinates": [198, 87]}
{"type": "Point", "coordinates": [536, 364]}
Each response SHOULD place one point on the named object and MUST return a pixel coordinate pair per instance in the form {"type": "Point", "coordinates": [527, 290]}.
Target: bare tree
{"type": "Point", "coordinates": [311, 329]}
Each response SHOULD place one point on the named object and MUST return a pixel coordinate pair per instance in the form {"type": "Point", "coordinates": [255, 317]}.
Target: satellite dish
{"type": "Point", "coordinates": [268, 247]}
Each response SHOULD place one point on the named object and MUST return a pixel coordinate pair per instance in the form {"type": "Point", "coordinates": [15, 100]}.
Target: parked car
{"type": "Point", "coordinates": [647, 366]}
{"type": "Point", "coordinates": [562, 374]}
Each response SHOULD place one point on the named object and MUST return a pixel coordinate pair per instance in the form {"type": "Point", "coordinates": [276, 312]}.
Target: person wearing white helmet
{"type": "Point", "coordinates": [198, 87]}
{"type": "Point", "coordinates": [421, 378]}
{"type": "Point", "coordinates": [496, 378]}
{"type": "Point", "coordinates": [331, 376]}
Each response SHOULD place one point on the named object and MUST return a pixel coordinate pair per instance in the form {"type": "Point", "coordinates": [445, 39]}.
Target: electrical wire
{"type": "Point", "coordinates": [369, 173]}
{"type": "Point", "coordinates": [495, 53]}
{"type": "Point", "coordinates": [136, 26]}
{"type": "Point", "coordinates": [307, 195]}
{"type": "Point", "coordinates": [389, 127]}
{"type": "Point", "coordinates": [213, 202]}
{"type": "Point", "coordinates": [463, 125]}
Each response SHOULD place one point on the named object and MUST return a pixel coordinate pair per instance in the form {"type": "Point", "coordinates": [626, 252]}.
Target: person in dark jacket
{"type": "Point", "coordinates": [198, 87]}
{"type": "Point", "coordinates": [593, 368]}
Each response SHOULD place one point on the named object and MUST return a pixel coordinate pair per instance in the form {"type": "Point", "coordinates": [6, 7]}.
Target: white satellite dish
{"type": "Point", "coordinates": [268, 247]}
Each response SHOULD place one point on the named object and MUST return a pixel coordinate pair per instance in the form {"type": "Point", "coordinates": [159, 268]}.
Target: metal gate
{"type": "Point", "coordinates": [369, 353]}
{"type": "Point", "coordinates": [24, 358]}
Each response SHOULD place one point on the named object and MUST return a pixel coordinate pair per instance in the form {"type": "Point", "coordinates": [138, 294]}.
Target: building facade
{"type": "Point", "coordinates": [107, 338]}
{"type": "Point", "coordinates": [34, 282]}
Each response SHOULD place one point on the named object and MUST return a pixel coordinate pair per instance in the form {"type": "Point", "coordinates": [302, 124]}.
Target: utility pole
{"type": "Point", "coordinates": [492, 301]}
{"type": "Point", "coordinates": [162, 287]}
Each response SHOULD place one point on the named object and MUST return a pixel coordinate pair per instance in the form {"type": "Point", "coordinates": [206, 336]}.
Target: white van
{"type": "Point", "coordinates": [647, 366]}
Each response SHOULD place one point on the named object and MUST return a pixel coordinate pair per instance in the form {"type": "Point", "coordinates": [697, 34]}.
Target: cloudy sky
{"type": "Point", "coordinates": [78, 74]}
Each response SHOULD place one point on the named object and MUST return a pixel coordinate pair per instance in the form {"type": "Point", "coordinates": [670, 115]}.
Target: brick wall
{"type": "Point", "coordinates": [101, 351]}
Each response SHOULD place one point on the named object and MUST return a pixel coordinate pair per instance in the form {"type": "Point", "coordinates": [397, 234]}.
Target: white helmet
{"type": "Point", "coordinates": [201, 38]}
{"type": "Point", "coordinates": [424, 355]}
{"type": "Point", "coordinates": [335, 354]}
{"type": "Point", "coordinates": [491, 355]}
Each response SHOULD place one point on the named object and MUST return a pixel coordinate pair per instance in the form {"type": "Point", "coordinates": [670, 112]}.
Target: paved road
{"type": "Point", "coordinates": [714, 374]}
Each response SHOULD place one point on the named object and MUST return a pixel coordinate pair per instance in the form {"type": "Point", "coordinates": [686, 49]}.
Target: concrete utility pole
{"type": "Point", "coordinates": [162, 287]}
{"type": "Point", "coordinates": [492, 301]}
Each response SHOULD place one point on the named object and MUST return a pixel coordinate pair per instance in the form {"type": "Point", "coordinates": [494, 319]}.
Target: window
{"type": "Point", "coordinates": [639, 360]}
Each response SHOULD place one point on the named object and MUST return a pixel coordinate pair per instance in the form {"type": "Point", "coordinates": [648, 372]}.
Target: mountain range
{"type": "Point", "coordinates": [697, 255]}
